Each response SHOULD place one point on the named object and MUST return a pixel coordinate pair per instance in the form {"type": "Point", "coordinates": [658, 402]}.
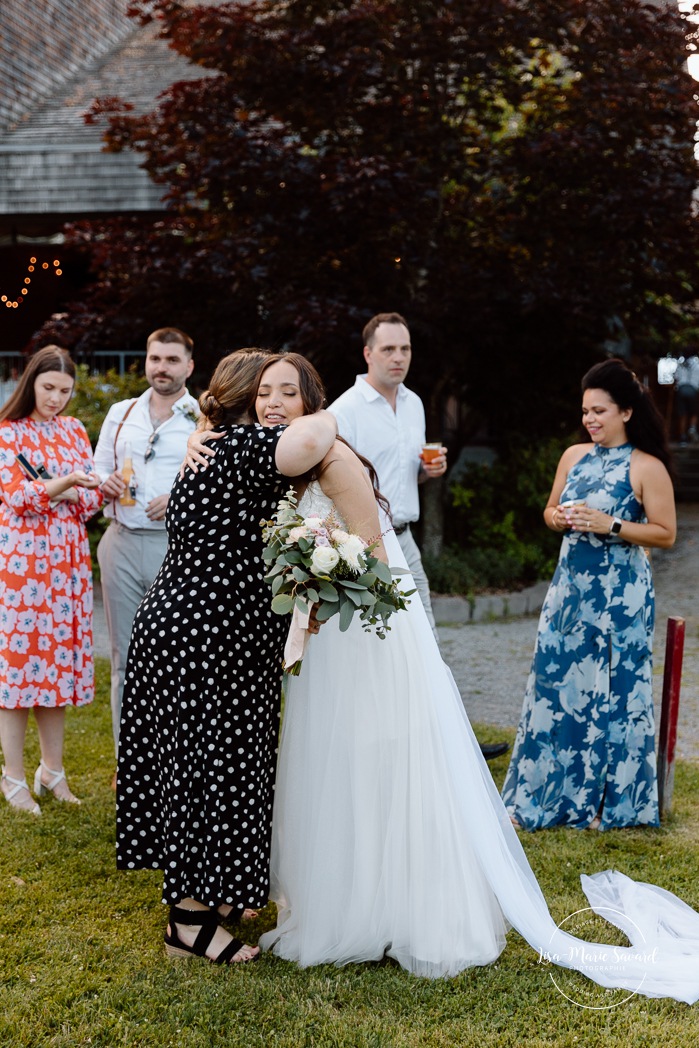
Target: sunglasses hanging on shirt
{"type": "Point", "coordinates": [150, 450]}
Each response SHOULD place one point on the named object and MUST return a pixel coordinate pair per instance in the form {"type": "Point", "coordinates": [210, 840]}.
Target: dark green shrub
{"type": "Point", "coordinates": [95, 394]}
{"type": "Point", "coordinates": [470, 571]}
{"type": "Point", "coordinates": [495, 537]}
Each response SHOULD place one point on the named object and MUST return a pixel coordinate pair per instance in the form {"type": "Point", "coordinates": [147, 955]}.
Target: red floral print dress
{"type": "Point", "coordinates": [45, 569]}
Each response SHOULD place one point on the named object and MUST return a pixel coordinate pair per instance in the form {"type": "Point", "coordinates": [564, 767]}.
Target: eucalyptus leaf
{"type": "Point", "coordinates": [326, 611]}
{"type": "Point", "coordinates": [282, 604]}
{"type": "Point", "coordinates": [327, 591]}
{"type": "Point", "coordinates": [346, 615]}
{"type": "Point", "coordinates": [382, 571]}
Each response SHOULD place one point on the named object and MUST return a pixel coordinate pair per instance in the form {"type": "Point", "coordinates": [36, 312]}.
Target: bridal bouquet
{"type": "Point", "coordinates": [312, 560]}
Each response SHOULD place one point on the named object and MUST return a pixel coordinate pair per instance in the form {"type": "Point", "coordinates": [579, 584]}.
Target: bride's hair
{"type": "Point", "coordinates": [314, 398]}
{"type": "Point", "coordinates": [232, 387]}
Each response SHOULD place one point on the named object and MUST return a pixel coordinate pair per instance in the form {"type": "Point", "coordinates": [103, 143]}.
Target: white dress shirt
{"type": "Point", "coordinates": [391, 440]}
{"type": "Point", "coordinates": [156, 476]}
{"type": "Point", "coordinates": [687, 372]}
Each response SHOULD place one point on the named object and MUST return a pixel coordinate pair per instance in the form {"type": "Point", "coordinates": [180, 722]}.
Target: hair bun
{"type": "Point", "coordinates": [208, 403]}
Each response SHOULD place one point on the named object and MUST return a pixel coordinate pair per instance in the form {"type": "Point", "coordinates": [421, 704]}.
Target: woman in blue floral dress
{"type": "Point", "coordinates": [584, 755]}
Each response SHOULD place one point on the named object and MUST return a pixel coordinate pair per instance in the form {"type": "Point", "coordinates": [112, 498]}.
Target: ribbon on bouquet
{"type": "Point", "coordinates": [295, 646]}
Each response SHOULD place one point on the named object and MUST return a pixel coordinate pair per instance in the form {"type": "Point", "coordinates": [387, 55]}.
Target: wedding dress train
{"type": "Point", "coordinates": [390, 837]}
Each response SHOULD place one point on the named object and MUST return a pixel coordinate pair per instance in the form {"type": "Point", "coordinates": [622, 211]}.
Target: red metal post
{"type": "Point", "coordinates": [672, 678]}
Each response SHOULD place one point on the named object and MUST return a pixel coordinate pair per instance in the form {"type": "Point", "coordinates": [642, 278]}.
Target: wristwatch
{"type": "Point", "coordinates": [615, 527]}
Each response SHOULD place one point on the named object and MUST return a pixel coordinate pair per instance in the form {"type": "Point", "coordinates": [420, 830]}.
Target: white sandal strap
{"type": "Point", "coordinates": [18, 784]}
{"type": "Point", "coordinates": [58, 776]}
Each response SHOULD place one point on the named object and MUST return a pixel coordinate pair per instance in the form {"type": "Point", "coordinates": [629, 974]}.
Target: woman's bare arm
{"type": "Point", "coordinates": [344, 480]}
{"type": "Point", "coordinates": [552, 515]}
{"type": "Point", "coordinates": [304, 442]}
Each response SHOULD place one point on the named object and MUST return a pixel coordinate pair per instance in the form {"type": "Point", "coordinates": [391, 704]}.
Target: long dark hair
{"type": "Point", "coordinates": [314, 398]}
{"type": "Point", "coordinates": [645, 428]}
{"type": "Point", "coordinates": [22, 402]}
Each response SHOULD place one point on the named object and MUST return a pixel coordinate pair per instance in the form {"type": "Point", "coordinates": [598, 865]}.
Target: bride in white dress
{"type": "Point", "coordinates": [389, 835]}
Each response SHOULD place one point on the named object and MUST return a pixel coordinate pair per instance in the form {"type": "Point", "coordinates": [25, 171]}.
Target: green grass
{"type": "Point", "coordinates": [82, 962]}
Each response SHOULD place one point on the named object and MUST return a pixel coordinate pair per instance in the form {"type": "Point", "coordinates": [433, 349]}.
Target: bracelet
{"type": "Point", "coordinates": [553, 519]}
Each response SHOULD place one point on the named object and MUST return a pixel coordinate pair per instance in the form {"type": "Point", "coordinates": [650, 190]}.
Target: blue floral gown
{"type": "Point", "coordinates": [586, 738]}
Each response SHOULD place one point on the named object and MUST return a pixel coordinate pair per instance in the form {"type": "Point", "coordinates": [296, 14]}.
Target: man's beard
{"type": "Point", "coordinates": [166, 387]}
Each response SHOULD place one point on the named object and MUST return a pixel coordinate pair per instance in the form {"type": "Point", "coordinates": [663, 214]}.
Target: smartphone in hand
{"type": "Point", "coordinates": [26, 465]}
{"type": "Point", "coordinates": [39, 472]}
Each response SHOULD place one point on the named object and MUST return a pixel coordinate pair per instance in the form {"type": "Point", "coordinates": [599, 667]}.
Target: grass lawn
{"type": "Point", "coordinates": [82, 962]}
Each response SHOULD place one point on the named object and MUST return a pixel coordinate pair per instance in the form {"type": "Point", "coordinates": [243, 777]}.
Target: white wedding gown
{"type": "Point", "coordinates": [390, 837]}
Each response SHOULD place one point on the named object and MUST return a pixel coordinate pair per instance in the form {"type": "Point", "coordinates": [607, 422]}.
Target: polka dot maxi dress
{"type": "Point", "coordinates": [203, 680]}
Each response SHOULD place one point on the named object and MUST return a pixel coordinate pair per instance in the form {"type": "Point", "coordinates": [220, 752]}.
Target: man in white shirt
{"type": "Point", "coordinates": [152, 431]}
{"type": "Point", "coordinates": [687, 396]}
{"type": "Point", "coordinates": [385, 422]}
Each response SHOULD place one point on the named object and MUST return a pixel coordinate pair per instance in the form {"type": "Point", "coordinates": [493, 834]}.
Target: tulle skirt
{"type": "Point", "coordinates": [390, 837]}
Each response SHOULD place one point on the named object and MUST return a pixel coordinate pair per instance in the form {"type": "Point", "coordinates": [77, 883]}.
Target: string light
{"type": "Point", "coordinates": [10, 303]}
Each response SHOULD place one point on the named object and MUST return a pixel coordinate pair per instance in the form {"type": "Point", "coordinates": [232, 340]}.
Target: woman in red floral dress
{"type": "Point", "coordinates": [45, 572]}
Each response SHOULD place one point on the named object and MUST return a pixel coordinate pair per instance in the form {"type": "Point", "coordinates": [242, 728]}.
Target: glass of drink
{"type": "Point", "coordinates": [430, 452]}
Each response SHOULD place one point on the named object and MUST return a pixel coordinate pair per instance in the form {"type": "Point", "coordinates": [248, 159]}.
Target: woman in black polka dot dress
{"type": "Point", "coordinates": [201, 698]}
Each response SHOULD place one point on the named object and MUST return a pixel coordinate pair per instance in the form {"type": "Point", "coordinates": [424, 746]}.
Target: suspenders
{"type": "Point", "coordinates": [115, 501]}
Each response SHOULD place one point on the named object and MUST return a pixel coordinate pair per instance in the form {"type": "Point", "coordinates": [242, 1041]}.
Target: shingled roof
{"type": "Point", "coordinates": [52, 167]}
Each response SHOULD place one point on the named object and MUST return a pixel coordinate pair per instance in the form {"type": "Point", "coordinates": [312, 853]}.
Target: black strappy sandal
{"type": "Point", "coordinates": [244, 913]}
{"type": "Point", "coordinates": [207, 921]}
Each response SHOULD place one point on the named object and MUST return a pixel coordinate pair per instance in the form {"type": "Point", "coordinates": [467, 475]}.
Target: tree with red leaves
{"type": "Point", "coordinates": [515, 177]}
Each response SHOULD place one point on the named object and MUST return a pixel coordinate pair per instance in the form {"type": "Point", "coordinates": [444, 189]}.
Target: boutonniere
{"type": "Point", "coordinates": [189, 413]}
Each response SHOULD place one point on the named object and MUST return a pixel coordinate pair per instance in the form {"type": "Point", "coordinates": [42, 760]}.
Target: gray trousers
{"type": "Point", "coordinates": [412, 555]}
{"type": "Point", "coordinates": [129, 560]}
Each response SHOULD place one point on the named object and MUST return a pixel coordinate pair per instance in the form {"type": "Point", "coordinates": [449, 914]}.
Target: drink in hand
{"type": "Point", "coordinates": [430, 452]}
{"type": "Point", "coordinates": [128, 495]}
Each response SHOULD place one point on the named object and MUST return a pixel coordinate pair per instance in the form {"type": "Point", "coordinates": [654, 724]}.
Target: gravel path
{"type": "Point", "coordinates": [490, 660]}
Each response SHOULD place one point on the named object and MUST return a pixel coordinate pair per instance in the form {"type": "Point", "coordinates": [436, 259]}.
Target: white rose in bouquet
{"type": "Point", "coordinates": [324, 559]}
{"type": "Point", "coordinates": [363, 586]}
{"type": "Point", "coordinates": [351, 552]}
